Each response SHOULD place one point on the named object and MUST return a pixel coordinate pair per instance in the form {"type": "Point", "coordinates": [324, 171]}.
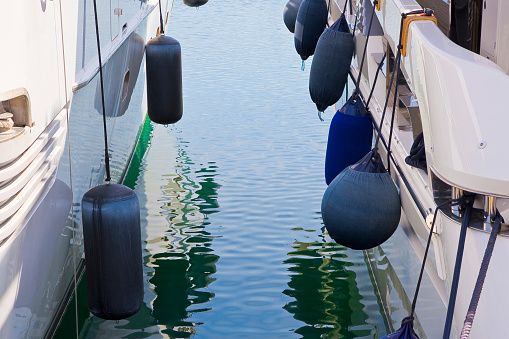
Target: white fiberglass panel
{"type": "Point", "coordinates": [494, 302]}
{"type": "Point", "coordinates": [35, 38]}
{"type": "Point", "coordinates": [463, 103]}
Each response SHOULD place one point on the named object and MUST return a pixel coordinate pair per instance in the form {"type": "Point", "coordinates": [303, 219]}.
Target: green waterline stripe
{"type": "Point", "coordinates": [66, 323]}
{"type": "Point", "coordinates": [142, 145]}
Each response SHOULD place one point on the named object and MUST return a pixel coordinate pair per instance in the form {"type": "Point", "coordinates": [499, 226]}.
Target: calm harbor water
{"type": "Point", "coordinates": [233, 242]}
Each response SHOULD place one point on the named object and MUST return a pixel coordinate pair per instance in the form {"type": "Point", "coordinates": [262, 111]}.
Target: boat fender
{"type": "Point", "coordinates": [331, 64]}
{"type": "Point", "coordinates": [112, 236]}
{"type": "Point", "coordinates": [350, 137]}
{"type": "Point", "coordinates": [310, 23]}
{"type": "Point", "coordinates": [290, 14]}
{"type": "Point", "coordinates": [164, 80]}
{"type": "Point", "coordinates": [195, 3]}
{"type": "Point", "coordinates": [361, 208]}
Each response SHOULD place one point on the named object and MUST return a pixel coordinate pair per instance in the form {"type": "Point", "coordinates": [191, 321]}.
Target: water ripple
{"type": "Point", "coordinates": [234, 245]}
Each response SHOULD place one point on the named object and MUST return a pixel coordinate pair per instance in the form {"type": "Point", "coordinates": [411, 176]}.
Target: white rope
{"type": "Point", "coordinates": [70, 172]}
{"type": "Point", "coordinates": [6, 123]}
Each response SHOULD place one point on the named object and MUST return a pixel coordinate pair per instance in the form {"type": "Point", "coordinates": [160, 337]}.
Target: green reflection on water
{"type": "Point", "coordinates": [325, 292]}
{"type": "Point", "coordinates": [182, 274]}
{"type": "Point", "coordinates": [179, 275]}
{"type": "Point", "coordinates": [135, 167]}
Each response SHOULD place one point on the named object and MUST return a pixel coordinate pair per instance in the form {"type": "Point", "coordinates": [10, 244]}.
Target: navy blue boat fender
{"type": "Point", "coordinates": [331, 64]}
{"type": "Point", "coordinates": [351, 131]}
{"type": "Point", "coordinates": [361, 208]}
{"type": "Point", "coordinates": [350, 137]}
{"type": "Point", "coordinates": [290, 14]}
{"type": "Point", "coordinates": [195, 3]}
{"type": "Point", "coordinates": [310, 23]}
{"type": "Point", "coordinates": [164, 80]}
{"type": "Point", "coordinates": [112, 235]}
{"type": "Point", "coordinates": [113, 253]}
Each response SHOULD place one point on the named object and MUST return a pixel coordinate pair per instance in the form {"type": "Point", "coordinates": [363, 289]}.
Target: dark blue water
{"type": "Point", "coordinates": [234, 245]}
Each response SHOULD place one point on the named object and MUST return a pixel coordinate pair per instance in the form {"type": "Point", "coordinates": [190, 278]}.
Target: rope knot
{"type": "Point", "coordinates": [407, 320]}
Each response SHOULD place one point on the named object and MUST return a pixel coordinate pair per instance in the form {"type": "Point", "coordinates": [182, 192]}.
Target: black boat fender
{"type": "Point", "coordinates": [310, 23]}
{"type": "Point", "coordinates": [290, 14]}
{"type": "Point", "coordinates": [114, 264]}
{"type": "Point", "coordinates": [164, 80]}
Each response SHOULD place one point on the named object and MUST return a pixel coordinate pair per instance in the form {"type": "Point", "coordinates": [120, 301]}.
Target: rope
{"type": "Point", "coordinates": [457, 269]}
{"type": "Point", "coordinates": [394, 104]}
{"type": "Point", "coordinates": [328, 12]}
{"type": "Point", "coordinates": [417, 156]}
{"type": "Point", "coordinates": [160, 18]}
{"type": "Point", "coordinates": [106, 155]}
{"type": "Point", "coordinates": [451, 202]}
{"type": "Point", "coordinates": [6, 123]}
{"type": "Point", "coordinates": [70, 174]}
{"type": "Point", "coordinates": [344, 8]}
{"type": "Point", "coordinates": [365, 49]}
{"type": "Point", "coordinates": [396, 64]}
{"type": "Point", "coordinates": [379, 68]}
{"type": "Point", "coordinates": [396, 70]}
{"type": "Point", "coordinates": [476, 295]}
{"type": "Point", "coordinates": [346, 89]}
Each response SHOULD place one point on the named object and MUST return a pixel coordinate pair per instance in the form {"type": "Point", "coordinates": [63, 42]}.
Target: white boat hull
{"type": "Point", "coordinates": [41, 247]}
{"type": "Point", "coordinates": [459, 97]}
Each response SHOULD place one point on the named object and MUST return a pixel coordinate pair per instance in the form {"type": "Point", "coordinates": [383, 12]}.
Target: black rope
{"type": "Point", "coordinates": [476, 295]}
{"type": "Point", "coordinates": [161, 17]}
{"type": "Point", "coordinates": [344, 8]}
{"type": "Point", "coordinates": [395, 101]}
{"type": "Point", "coordinates": [396, 70]}
{"type": "Point", "coordinates": [346, 90]}
{"type": "Point", "coordinates": [451, 202]}
{"type": "Point", "coordinates": [396, 64]}
{"type": "Point", "coordinates": [394, 104]}
{"type": "Point", "coordinates": [106, 155]}
{"type": "Point", "coordinates": [417, 156]}
{"type": "Point", "coordinates": [379, 68]}
{"type": "Point", "coordinates": [457, 269]}
{"type": "Point", "coordinates": [365, 49]}
{"type": "Point", "coordinates": [328, 12]}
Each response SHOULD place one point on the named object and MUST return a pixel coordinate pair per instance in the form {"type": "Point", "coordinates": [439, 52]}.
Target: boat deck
{"type": "Point", "coordinates": [441, 12]}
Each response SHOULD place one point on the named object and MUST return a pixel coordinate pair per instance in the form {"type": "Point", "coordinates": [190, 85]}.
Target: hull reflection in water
{"type": "Point", "coordinates": [393, 276]}
{"type": "Point", "coordinates": [326, 292]}
{"type": "Point", "coordinates": [178, 256]}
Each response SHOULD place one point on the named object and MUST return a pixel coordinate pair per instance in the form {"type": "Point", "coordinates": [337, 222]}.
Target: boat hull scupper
{"type": "Point", "coordinates": [41, 246]}
{"type": "Point", "coordinates": [455, 98]}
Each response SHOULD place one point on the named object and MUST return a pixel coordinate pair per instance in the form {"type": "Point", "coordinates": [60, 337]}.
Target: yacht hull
{"type": "Point", "coordinates": [458, 95]}
{"type": "Point", "coordinates": [42, 255]}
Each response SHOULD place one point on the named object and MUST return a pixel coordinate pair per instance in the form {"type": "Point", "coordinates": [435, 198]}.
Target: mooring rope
{"type": "Point", "coordinates": [106, 155]}
{"type": "Point", "coordinates": [379, 68]}
{"type": "Point", "coordinates": [329, 12]}
{"type": "Point", "coordinates": [457, 269]}
{"type": "Point", "coordinates": [396, 64]}
{"type": "Point", "coordinates": [476, 295]}
{"type": "Point", "coordinates": [73, 223]}
{"type": "Point", "coordinates": [396, 70]}
{"type": "Point", "coordinates": [365, 49]}
{"type": "Point", "coordinates": [161, 29]}
{"type": "Point", "coordinates": [452, 202]}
